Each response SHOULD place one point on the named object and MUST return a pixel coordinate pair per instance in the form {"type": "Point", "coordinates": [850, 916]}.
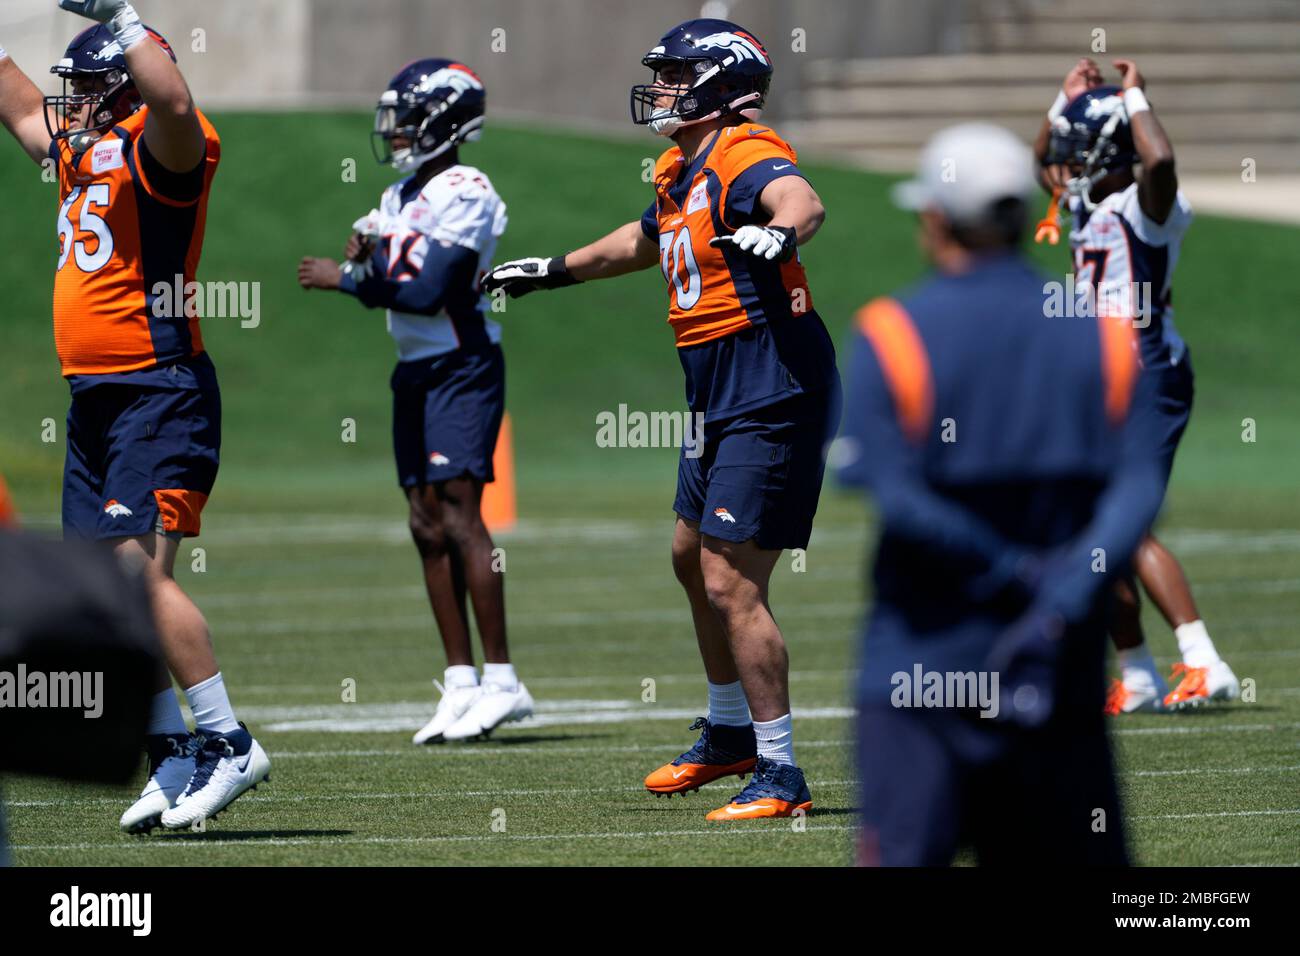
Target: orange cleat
{"type": "Point", "coordinates": [1125, 700]}
{"type": "Point", "coordinates": [718, 753]}
{"type": "Point", "coordinates": [1200, 685]}
{"type": "Point", "coordinates": [775, 790]}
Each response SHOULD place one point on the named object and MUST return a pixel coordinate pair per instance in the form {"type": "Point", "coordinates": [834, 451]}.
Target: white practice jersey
{"type": "Point", "coordinates": [456, 207]}
{"type": "Point", "coordinates": [1127, 259]}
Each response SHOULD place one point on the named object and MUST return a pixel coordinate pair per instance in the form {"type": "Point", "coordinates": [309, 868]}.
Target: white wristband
{"type": "Point", "coordinates": [1135, 101]}
{"type": "Point", "coordinates": [1058, 107]}
{"type": "Point", "coordinates": [127, 28]}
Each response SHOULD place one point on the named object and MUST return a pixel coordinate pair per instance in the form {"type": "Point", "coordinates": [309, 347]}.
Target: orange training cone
{"type": "Point", "coordinates": [498, 505]}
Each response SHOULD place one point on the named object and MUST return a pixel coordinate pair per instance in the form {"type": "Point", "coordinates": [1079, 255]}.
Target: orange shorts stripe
{"type": "Point", "coordinates": [179, 509]}
{"type": "Point", "coordinates": [903, 360]}
{"type": "Point", "coordinates": [8, 514]}
{"type": "Point", "coordinates": [1119, 366]}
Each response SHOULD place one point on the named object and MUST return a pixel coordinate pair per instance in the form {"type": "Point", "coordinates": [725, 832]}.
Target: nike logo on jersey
{"type": "Point", "coordinates": [782, 166]}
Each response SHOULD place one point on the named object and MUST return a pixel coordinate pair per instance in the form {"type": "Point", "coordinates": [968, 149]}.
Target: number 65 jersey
{"type": "Point", "coordinates": [1126, 260]}
{"type": "Point", "coordinates": [126, 225]}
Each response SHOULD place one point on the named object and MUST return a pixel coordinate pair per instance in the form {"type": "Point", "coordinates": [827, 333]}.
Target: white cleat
{"type": "Point", "coordinates": [171, 764]}
{"type": "Point", "coordinates": [1201, 685]}
{"type": "Point", "coordinates": [221, 775]}
{"type": "Point", "coordinates": [455, 702]}
{"type": "Point", "coordinates": [496, 705]}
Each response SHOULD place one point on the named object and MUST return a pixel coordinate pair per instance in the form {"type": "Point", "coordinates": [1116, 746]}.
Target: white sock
{"type": "Point", "coordinates": [1195, 645]}
{"type": "Point", "coordinates": [211, 705]}
{"type": "Point", "coordinates": [503, 675]}
{"type": "Point", "coordinates": [460, 675]}
{"type": "Point", "coordinates": [776, 739]}
{"type": "Point", "coordinates": [727, 705]}
{"type": "Point", "coordinates": [165, 714]}
{"type": "Point", "coordinates": [1138, 668]}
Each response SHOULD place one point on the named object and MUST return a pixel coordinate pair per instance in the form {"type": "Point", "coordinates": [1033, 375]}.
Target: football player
{"type": "Point", "coordinates": [984, 567]}
{"type": "Point", "coordinates": [730, 209]}
{"type": "Point", "coordinates": [1126, 237]}
{"type": "Point", "coordinates": [419, 256]}
{"type": "Point", "coordinates": [135, 162]}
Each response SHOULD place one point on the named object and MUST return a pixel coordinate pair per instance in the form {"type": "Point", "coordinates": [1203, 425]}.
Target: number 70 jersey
{"type": "Point", "coordinates": [715, 291]}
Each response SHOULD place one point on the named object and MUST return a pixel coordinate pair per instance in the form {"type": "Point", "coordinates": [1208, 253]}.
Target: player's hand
{"type": "Point", "coordinates": [101, 10]}
{"type": "Point", "coordinates": [314, 273]}
{"type": "Point", "coordinates": [1083, 76]}
{"type": "Point", "coordinates": [522, 276]}
{"type": "Point", "coordinates": [765, 242]}
{"type": "Point", "coordinates": [1131, 78]}
{"type": "Point", "coordinates": [359, 248]}
{"type": "Point", "coordinates": [1057, 175]}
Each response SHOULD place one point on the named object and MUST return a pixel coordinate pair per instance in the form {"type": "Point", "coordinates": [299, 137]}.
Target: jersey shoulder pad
{"type": "Point", "coordinates": [1128, 206]}
{"type": "Point", "coordinates": [668, 167]}
{"type": "Point", "coordinates": [740, 147]}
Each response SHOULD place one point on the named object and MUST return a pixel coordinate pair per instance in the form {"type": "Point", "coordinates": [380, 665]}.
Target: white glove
{"type": "Point", "coordinates": [118, 14]}
{"type": "Point", "coordinates": [367, 227]}
{"type": "Point", "coordinates": [765, 242]}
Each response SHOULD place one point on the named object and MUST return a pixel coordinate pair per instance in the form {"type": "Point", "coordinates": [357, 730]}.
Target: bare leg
{"type": "Point", "coordinates": [1165, 583]}
{"type": "Point", "coordinates": [182, 631]}
{"type": "Point", "coordinates": [440, 576]}
{"type": "Point", "coordinates": [1126, 616]}
{"type": "Point", "coordinates": [719, 665]}
{"type": "Point", "coordinates": [472, 547]}
{"type": "Point", "coordinates": [735, 580]}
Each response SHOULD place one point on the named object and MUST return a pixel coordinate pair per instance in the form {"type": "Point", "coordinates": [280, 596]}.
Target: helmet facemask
{"type": "Point", "coordinates": [684, 92]}
{"type": "Point", "coordinates": [418, 124]}
{"type": "Point", "coordinates": [82, 115]}
{"type": "Point", "coordinates": [1089, 154]}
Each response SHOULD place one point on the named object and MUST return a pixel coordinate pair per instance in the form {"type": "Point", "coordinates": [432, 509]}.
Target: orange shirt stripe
{"type": "Point", "coordinates": [1119, 365]}
{"type": "Point", "coordinates": [903, 360]}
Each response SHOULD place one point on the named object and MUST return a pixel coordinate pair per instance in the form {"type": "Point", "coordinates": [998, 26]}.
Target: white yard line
{"type": "Point", "coordinates": [279, 796]}
{"type": "Point", "coordinates": [721, 830]}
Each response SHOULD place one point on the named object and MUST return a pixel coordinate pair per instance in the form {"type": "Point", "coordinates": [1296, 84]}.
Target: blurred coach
{"type": "Point", "coordinates": [994, 441]}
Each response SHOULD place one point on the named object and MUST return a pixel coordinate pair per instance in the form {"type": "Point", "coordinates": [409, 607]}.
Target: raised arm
{"type": "Point", "coordinates": [22, 109]}
{"type": "Point", "coordinates": [1158, 183]}
{"type": "Point", "coordinates": [172, 131]}
{"type": "Point", "coordinates": [1083, 76]}
{"type": "Point", "coordinates": [626, 249]}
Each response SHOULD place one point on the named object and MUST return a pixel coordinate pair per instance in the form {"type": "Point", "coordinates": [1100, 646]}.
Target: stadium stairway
{"type": "Point", "coordinates": [1225, 78]}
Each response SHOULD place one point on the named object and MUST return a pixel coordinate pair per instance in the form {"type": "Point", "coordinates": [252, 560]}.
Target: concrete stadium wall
{"type": "Point", "coordinates": [569, 60]}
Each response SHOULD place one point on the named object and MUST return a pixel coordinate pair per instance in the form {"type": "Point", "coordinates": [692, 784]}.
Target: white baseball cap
{"type": "Point", "coordinates": [965, 170]}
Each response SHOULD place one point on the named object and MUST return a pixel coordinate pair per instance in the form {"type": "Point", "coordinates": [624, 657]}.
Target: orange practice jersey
{"type": "Point", "coordinates": [120, 237]}
{"type": "Point", "coordinates": [716, 291]}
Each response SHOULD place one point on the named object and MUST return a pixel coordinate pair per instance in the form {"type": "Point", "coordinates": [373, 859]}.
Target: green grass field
{"type": "Point", "coordinates": [311, 581]}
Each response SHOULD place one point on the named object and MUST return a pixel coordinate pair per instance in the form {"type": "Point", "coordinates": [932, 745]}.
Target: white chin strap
{"type": "Point", "coordinates": [408, 160]}
{"type": "Point", "coordinates": [665, 122]}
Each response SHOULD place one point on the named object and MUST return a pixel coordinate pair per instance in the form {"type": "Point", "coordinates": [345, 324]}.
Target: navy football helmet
{"type": "Point", "coordinates": [709, 68]}
{"type": "Point", "coordinates": [433, 104]}
{"type": "Point", "coordinates": [1093, 134]}
{"type": "Point", "coordinates": [94, 53]}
